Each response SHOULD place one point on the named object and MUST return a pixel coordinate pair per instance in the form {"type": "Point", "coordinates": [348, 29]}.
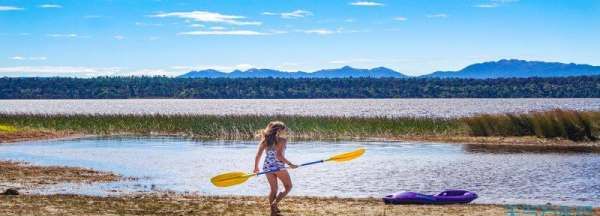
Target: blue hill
{"type": "Point", "coordinates": [495, 69]}
{"type": "Point", "coordinates": [519, 68]}
{"type": "Point", "coordinates": [346, 71]}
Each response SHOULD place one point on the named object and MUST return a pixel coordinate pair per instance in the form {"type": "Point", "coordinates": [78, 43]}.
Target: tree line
{"type": "Point", "coordinates": [167, 87]}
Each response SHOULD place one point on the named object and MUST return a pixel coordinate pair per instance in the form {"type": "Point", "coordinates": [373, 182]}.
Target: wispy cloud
{"type": "Point", "coordinates": [290, 15]}
{"type": "Point", "coordinates": [21, 58]}
{"type": "Point", "coordinates": [209, 17]}
{"type": "Point", "coordinates": [325, 31]}
{"type": "Point", "coordinates": [92, 16]}
{"type": "Point", "coordinates": [437, 16]}
{"type": "Point", "coordinates": [58, 71]}
{"type": "Point", "coordinates": [119, 37]}
{"type": "Point", "coordinates": [487, 5]}
{"type": "Point", "coordinates": [69, 35]}
{"type": "Point", "coordinates": [494, 3]}
{"type": "Point", "coordinates": [400, 18]}
{"type": "Point", "coordinates": [10, 8]}
{"type": "Point", "coordinates": [233, 32]}
{"type": "Point", "coordinates": [366, 3]}
{"type": "Point", "coordinates": [196, 25]}
{"type": "Point", "coordinates": [319, 31]}
{"type": "Point", "coordinates": [50, 6]}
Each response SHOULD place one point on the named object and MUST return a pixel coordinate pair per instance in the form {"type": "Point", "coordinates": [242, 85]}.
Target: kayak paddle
{"type": "Point", "coordinates": [235, 178]}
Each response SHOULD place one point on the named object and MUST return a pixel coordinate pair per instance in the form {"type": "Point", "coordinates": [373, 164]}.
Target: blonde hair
{"type": "Point", "coordinates": [271, 132]}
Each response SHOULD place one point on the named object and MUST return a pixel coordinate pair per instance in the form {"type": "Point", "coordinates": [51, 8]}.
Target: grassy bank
{"type": "Point", "coordinates": [572, 125]}
{"type": "Point", "coordinates": [236, 127]}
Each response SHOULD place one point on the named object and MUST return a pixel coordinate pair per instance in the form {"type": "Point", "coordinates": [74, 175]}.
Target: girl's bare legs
{"type": "Point", "coordinates": [284, 176]}
{"type": "Point", "coordinates": [273, 193]}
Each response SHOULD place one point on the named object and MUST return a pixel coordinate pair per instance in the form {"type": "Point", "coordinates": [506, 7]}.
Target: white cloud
{"type": "Point", "coordinates": [494, 3]}
{"type": "Point", "coordinates": [217, 28]}
{"type": "Point", "coordinates": [295, 14]}
{"type": "Point", "coordinates": [81, 71]}
{"type": "Point", "coordinates": [70, 35]}
{"type": "Point", "coordinates": [440, 15]}
{"type": "Point", "coordinates": [366, 3]}
{"type": "Point", "coordinates": [319, 31]}
{"type": "Point", "coordinates": [401, 19]}
{"type": "Point", "coordinates": [50, 6]}
{"type": "Point", "coordinates": [233, 32]}
{"type": "Point", "coordinates": [290, 15]}
{"type": "Point", "coordinates": [324, 31]}
{"type": "Point", "coordinates": [209, 17]}
{"type": "Point", "coordinates": [19, 58]}
{"type": "Point", "coordinates": [119, 37]}
{"type": "Point", "coordinates": [197, 25]}
{"type": "Point", "coordinates": [40, 58]}
{"type": "Point", "coordinates": [269, 14]}
{"type": "Point", "coordinates": [58, 71]}
{"type": "Point", "coordinates": [10, 8]}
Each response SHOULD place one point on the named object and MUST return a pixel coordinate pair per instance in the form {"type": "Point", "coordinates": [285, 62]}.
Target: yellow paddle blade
{"type": "Point", "coordinates": [348, 155]}
{"type": "Point", "coordinates": [230, 179]}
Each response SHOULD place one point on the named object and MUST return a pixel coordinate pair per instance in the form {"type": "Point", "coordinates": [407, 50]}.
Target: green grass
{"type": "Point", "coordinates": [572, 125]}
{"type": "Point", "coordinates": [238, 126]}
{"type": "Point", "coordinates": [567, 124]}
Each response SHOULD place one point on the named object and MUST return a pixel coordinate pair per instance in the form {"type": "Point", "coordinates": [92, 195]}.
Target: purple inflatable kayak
{"type": "Point", "coordinates": [445, 197]}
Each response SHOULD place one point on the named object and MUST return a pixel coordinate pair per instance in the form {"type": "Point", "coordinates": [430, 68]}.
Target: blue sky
{"type": "Point", "coordinates": [168, 37]}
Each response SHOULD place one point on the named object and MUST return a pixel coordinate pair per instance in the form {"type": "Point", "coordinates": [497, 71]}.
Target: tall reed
{"type": "Point", "coordinates": [568, 124]}
{"type": "Point", "coordinates": [238, 126]}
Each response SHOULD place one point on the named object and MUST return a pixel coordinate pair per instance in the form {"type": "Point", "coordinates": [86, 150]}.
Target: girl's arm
{"type": "Point", "coordinates": [281, 156]}
{"type": "Point", "coordinates": [261, 148]}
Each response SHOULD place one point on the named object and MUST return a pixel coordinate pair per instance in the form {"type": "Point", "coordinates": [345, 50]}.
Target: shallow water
{"type": "Point", "coordinates": [311, 107]}
{"type": "Point", "coordinates": [183, 165]}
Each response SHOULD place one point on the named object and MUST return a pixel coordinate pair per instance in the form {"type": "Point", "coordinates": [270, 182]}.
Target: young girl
{"type": "Point", "coordinates": [274, 145]}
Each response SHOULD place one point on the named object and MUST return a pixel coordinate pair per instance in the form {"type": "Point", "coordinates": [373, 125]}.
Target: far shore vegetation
{"type": "Point", "coordinates": [578, 126]}
{"type": "Point", "coordinates": [270, 88]}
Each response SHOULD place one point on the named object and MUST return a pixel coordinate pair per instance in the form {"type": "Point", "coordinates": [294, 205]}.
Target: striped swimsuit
{"type": "Point", "coordinates": [271, 163]}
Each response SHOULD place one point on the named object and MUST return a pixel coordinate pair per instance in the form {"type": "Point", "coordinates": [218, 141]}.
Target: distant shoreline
{"type": "Point", "coordinates": [296, 88]}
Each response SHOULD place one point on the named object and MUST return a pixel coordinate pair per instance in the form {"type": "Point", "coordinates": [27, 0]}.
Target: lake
{"type": "Point", "coordinates": [312, 107]}
{"type": "Point", "coordinates": [184, 165]}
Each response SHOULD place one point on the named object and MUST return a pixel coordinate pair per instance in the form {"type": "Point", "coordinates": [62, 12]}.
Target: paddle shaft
{"type": "Point", "coordinates": [304, 164]}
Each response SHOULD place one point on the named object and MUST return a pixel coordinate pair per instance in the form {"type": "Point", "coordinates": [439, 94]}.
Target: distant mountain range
{"type": "Point", "coordinates": [494, 69]}
{"type": "Point", "coordinates": [346, 71]}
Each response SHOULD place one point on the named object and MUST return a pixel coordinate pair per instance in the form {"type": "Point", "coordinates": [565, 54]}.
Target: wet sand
{"type": "Point", "coordinates": [202, 205]}
{"type": "Point", "coordinates": [169, 204]}
{"type": "Point", "coordinates": [21, 175]}
{"type": "Point", "coordinates": [28, 135]}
